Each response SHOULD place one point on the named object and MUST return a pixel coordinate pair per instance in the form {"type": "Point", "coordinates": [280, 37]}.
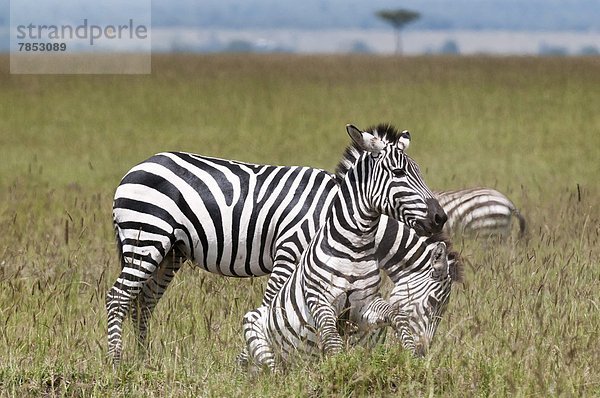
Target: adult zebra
{"type": "Point", "coordinates": [232, 218]}
{"type": "Point", "coordinates": [479, 212]}
{"type": "Point", "coordinates": [338, 273]}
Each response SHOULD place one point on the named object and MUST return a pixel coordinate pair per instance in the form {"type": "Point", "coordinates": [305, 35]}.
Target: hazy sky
{"type": "Point", "coordinates": [325, 14]}
{"type": "Point", "coordinates": [333, 25]}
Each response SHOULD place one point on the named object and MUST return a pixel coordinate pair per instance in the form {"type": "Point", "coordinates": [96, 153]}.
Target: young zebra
{"type": "Point", "coordinates": [229, 217]}
{"type": "Point", "coordinates": [422, 274]}
{"type": "Point", "coordinates": [338, 273]}
{"type": "Point", "coordinates": [422, 271]}
{"type": "Point", "coordinates": [481, 212]}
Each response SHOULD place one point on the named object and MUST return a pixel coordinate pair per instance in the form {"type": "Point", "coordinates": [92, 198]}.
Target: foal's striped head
{"type": "Point", "coordinates": [396, 187]}
{"type": "Point", "coordinates": [423, 293]}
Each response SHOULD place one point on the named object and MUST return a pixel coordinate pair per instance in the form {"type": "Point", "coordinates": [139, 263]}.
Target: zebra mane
{"type": "Point", "coordinates": [456, 266]}
{"type": "Point", "coordinates": [384, 131]}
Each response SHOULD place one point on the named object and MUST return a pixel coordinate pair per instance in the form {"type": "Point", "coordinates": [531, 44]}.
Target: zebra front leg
{"type": "Point", "coordinates": [284, 264]}
{"type": "Point", "coordinates": [382, 314]}
{"type": "Point", "coordinates": [400, 323]}
{"type": "Point", "coordinates": [379, 313]}
{"type": "Point", "coordinates": [258, 353]}
{"type": "Point", "coordinates": [325, 319]}
{"type": "Point", "coordinates": [276, 281]}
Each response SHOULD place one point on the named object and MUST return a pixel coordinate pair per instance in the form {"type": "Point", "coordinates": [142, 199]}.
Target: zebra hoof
{"type": "Point", "coordinates": [242, 360]}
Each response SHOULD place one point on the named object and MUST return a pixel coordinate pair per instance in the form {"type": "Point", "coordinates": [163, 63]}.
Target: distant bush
{"type": "Point", "coordinates": [589, 50]}
{"type": "Point", "coordinates": [239, 46]}
{"type": "Point", "coordinates": [450, 47]}
{"type": "Point", "coordinates": [360, 47]}
{"type": "Point", "coordinates": [549, 49]}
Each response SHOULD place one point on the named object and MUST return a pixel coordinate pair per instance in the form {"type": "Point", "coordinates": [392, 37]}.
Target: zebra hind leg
{"type": "Point", "coordinates": [153, 290]}
{"type": "Point", "coordinates": [136, 270]}
{"type": "Point", "coordinates": [117, 305]}
{"type": "Point", "coordinates": [243, 359]}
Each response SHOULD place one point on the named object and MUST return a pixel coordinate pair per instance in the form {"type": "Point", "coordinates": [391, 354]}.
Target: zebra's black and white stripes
{"type": "Point", "coordinates": [228, 217]}
{"type": "Point", "coordinates": [338, 272]}
{"type": "Point", "coordinates": [481, 212]}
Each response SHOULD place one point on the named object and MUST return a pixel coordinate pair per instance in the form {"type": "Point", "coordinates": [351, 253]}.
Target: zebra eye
{"type": "Point", "coordinates": [399, 173]}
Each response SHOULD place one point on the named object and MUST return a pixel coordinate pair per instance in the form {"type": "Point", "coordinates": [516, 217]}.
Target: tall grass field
{"type": "Point", "coordinates": [525, 323]}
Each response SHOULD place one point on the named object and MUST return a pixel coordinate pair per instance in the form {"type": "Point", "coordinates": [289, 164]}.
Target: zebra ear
{"type": "Point", "coordinates": [404, 140]}
{"type": "Point", "coordinates": [365, 141]}
{"type": "Point", "coordinates": [439, 261]}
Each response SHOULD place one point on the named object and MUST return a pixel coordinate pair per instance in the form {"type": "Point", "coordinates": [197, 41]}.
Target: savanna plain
{"type": "Point", "coordinates": [524, 323]}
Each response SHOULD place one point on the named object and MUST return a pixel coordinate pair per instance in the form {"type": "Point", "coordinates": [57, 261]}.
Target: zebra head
{"type": "Point", "coordinates": [396, 186]}
{"type": "Point", "coordinates": [423, 296]}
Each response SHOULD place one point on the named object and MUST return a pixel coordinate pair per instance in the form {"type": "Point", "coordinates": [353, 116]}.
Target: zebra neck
{"type": "Point", "coordinates": [352, 220]}
{"type": "Point", "coordinates": [401, 251]}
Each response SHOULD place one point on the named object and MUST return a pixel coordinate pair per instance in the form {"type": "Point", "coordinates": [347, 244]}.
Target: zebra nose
{"type": "Point", "coordinates": [440, 219]}
{"type": "Point", "coordinates": [421, 347]}
{"type": "Point", "coordinates": [437, 215]}
{"type": "Point", "coordinates": [420, 351]}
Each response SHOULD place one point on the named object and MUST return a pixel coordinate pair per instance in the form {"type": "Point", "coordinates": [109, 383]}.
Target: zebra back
{"type": "Point", "coordinates": [480, 212]}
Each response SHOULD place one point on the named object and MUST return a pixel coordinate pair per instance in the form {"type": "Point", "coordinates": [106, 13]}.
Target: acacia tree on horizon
{"type": "Point", "coordinates": [398, 19]}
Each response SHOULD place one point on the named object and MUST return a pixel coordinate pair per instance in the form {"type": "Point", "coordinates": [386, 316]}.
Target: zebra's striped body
{"type": "Point", "coordinates": [338, 273]}
{"type": "Point", "coordinates": [481, 212]}
{"type": "Point", "coordinates": [228, 217]}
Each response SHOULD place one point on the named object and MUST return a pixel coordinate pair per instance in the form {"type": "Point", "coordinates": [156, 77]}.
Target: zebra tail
{"type": "Point", "coordinates": [119, 248]}
{"type": "Point", "coordinates": [522, 223]}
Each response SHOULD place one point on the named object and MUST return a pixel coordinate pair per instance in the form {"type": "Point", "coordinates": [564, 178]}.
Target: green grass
{"type": "Point", "coordinates": [525, 323]}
